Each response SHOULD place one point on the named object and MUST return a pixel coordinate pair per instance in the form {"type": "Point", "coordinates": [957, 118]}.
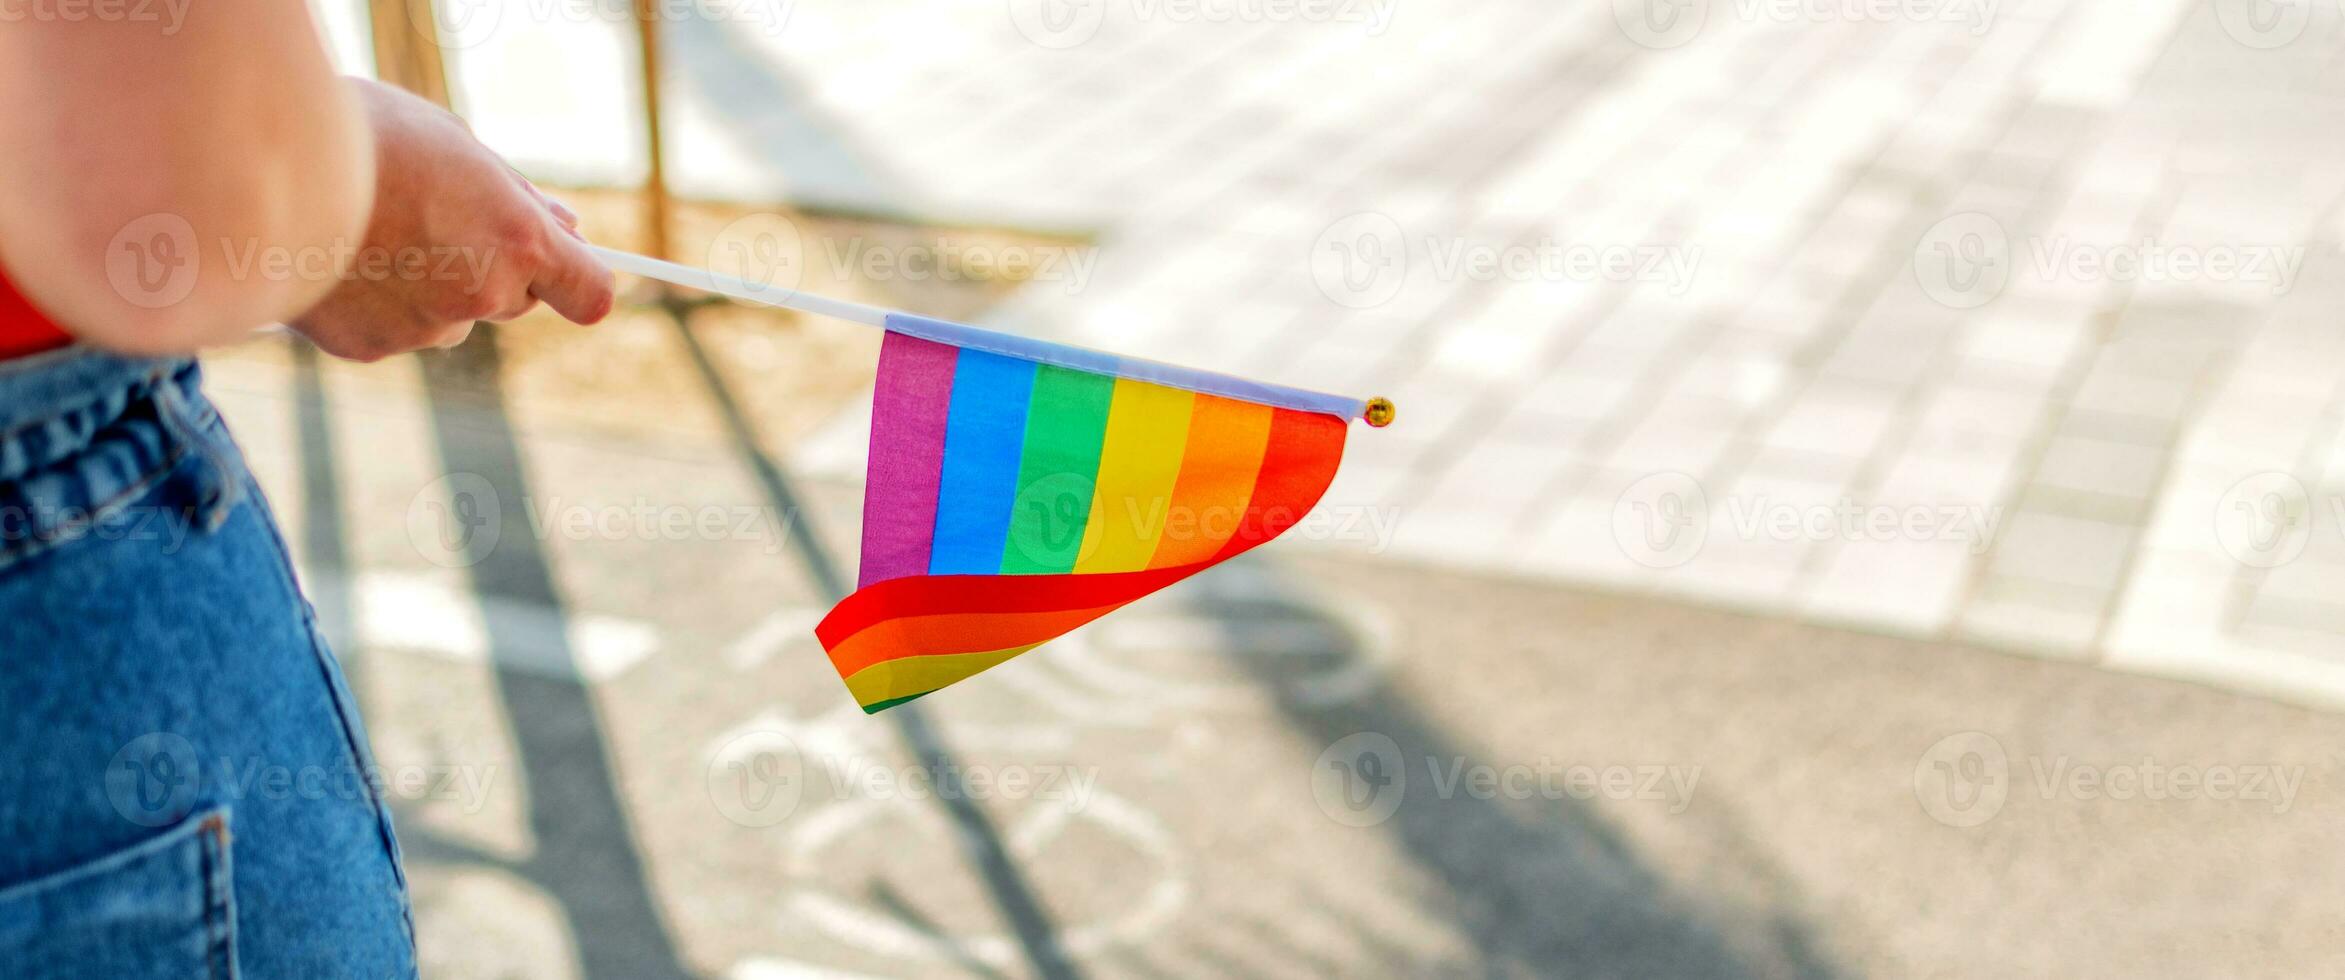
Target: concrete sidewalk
{"type": "Point", "coordinates": [2007, 324]}
{"type": "Point", "coordinates": [1764, 370]}
{"type": "Point", "coordinates": [2001, 322]}
{"type": "Point", "coordinates": [616, 751]}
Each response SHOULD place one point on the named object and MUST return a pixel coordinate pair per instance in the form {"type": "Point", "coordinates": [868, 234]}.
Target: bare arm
{"type": "Point", "coordinates": [233, 124]}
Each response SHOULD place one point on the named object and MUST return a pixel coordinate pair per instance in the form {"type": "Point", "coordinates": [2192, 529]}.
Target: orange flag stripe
{"type": "Point", "coordinates": [1224, 454]}
{"type": "Point", "coordinates": [914, 636]}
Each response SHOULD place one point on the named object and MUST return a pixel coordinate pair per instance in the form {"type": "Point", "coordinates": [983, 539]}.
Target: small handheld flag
{"type": "Point", "coordinates": [1018, 489]}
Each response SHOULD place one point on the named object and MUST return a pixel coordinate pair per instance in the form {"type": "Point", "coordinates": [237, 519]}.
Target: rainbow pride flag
{"type": "Point", "coordinates": [1019, 489]}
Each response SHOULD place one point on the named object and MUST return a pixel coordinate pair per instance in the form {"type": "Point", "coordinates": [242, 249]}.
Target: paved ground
{"type": "Point", "coordinates": [2005, 323]}
{"type": "Point", "coordinates": [1761, 367]}
{"type": "Point", "coordinates": [625, 757]}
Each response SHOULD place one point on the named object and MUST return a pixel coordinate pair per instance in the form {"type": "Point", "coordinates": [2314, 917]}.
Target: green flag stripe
{"type": "Point", "coordinates": [1066, 423]}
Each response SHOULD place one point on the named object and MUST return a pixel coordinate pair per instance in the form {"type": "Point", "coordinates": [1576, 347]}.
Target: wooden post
{"type": "Point", "coordinates": [655, 189]}
{"type": "Point", "coordinates": [407, 54]}
{"type": "Point", "coordinates": [407, 47]}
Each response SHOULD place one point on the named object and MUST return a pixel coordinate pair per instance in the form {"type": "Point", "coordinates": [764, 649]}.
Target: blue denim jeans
{"type": "Point", "coordinates": [185, 787]}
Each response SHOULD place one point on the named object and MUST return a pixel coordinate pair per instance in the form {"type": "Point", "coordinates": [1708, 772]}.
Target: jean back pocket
{"type": "Point", "coordinates": [160, 909]}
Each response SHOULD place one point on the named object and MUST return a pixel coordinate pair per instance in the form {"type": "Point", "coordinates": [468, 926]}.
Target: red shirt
{"type": "Point", "coordinates": [23, 330]}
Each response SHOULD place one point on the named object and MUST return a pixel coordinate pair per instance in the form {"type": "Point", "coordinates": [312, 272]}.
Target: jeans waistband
{"type": "Point", "coordinates": [42, 387]}
{"type": "Point", "coordinates": [85, 434]}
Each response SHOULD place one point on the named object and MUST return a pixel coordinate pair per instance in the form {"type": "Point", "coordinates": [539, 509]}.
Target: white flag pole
{"type": "Point", "coordinates": [1376, 411]}
{"type": "Point", "coordinates": [737, 288]}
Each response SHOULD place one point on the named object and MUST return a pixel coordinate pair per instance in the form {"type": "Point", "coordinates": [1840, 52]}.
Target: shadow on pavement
{"type": "Point", "coordinates": [585, 857]}
{"type": "Point", "coordinates": [724, 76]}
{"type": "Point", "coordinates": [1541, 887]}
{"type": "Point", "coordinates": [981, 842]}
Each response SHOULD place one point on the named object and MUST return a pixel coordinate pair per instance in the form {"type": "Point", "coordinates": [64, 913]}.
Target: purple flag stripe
{"type": "Point", "coordinates": [908, 409]}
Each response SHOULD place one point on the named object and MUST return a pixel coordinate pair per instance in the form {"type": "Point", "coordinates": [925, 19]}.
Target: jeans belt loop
{"type": "Point", "coordinates": [218, 490]}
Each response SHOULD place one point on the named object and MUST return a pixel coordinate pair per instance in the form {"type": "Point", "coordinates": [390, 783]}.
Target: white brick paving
{"type": "Point", "coordinates": [2100, 420]}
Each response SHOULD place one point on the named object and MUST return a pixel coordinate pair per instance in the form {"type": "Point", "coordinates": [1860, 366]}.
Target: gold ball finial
{"type": "Point", "coordinates": [1379, 413]}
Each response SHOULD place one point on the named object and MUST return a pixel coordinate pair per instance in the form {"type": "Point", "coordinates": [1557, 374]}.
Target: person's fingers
{"type": "Point", "coordinates": [561, 211]}
{"type": "Point", "coordinates": [514, 312]}
{"type": "Point", "coordinates": [572, 282]}
{"type": "Point", "coordinates": [453, 335]}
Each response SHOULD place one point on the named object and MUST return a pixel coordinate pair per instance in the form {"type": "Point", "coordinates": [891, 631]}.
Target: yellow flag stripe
{"type": "Point", "coordinates": [907, 676]}
{"type": "Point", "coordinates": [1147, 432]}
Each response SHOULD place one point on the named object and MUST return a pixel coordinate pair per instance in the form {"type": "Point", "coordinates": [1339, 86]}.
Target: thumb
{"type": "Point", "coordinates": [571, 280]}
